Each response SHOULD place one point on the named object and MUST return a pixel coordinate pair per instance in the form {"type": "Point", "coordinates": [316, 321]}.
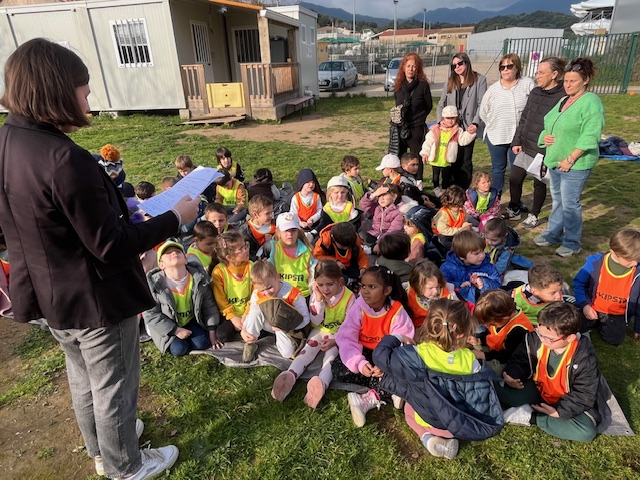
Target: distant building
{"type": "Point", "coordinates": [626, 17]}
{"type": "Point", "coordinates": [456, 37]}
{"type": "Point", "coordinates": [492, 41]}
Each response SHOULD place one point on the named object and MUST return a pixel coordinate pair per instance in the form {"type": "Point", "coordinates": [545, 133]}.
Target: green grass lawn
{"type": "Point", "coordinates": [224, 420]}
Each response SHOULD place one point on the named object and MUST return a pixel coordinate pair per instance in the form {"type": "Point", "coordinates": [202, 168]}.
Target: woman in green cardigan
{"type": "Point", "coordinates": [571, 134]}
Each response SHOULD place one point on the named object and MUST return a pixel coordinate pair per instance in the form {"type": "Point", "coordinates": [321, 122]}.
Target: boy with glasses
{"type": "Point", "coordinates": [552, 379]}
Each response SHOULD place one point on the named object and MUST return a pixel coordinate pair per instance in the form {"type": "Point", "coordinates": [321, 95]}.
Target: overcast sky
{"type": "Point", "coordinates": [408, 8]}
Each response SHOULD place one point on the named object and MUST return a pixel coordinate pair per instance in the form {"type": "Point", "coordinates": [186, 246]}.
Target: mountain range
{"type": "Point", "coordinates": [451, 15]}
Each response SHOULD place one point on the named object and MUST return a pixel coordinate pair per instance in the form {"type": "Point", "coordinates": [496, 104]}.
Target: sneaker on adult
{"type": "Point", "coordinates": [524, 208]}
{"type": "Point", "coordinates": [282, 385]}
{"type": "Point", "coordinates": [518, 415]}
{"type": "Point", "coordinates": [154, 462]}
{"type": "Point", "coordinates": [566, 252]}
{"type": "Point", "coordinates": [512, 214]}
{"type": "Point", "coordinates": [249, 352]}
{"type": "Point", "coordinates": [531, 221]}
{"type": "Point", "coordinates": [440, 447]}
{"type": "Point", "coordinates": [361, 403]}
{"type": "Point", "coordinates": [541, 241]}
{"type": "Point", "coordinates": [99, 462]}
{"type": "Point", "coordinates": [315, 392]}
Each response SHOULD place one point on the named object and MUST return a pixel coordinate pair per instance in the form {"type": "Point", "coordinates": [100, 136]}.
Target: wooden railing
{"type": "Point", "coordinates": [195, 89]}
{"type": "Point", "coordinates": [264, 82]}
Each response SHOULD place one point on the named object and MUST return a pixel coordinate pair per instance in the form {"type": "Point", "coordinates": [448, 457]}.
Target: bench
{"type": "Point", "coordinates": [301, 102]}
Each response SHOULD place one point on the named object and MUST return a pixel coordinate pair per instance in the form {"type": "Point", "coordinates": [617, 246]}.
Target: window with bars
{"type": "Point", "coordinates": [131, 42]}
{"type": "Point", "coordinates": [247, 45]}
{"type": "Point", "coordinates": [312, 36]}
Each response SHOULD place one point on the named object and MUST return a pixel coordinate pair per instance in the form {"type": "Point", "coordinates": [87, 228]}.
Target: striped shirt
{"type": "Point", "coordinates": [501, 108]}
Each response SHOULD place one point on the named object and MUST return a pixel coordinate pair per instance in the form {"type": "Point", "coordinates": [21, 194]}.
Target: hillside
{"type": "Point", "coordinates": [538, 19]}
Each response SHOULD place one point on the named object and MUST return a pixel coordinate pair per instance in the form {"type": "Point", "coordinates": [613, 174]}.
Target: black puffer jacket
{"type": "Point", "coordinates": [531, 123]}
{"type": "Point", "coordinates": [420, 106]}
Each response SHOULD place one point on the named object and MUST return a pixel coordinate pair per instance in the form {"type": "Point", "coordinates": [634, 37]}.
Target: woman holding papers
{"type": "Point", "coordinates": [74, 253]}
{"type": "Point", "coordinates": [549, 77]}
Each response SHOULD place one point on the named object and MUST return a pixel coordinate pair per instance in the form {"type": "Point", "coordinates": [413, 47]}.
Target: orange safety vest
{"type": "Point", "coordinates": [260, 236]}
{"type": "Point", "coordinates": [612, 292]}
{"type": "Point", "coordinates": [374, 327]}
{"type": "Point", "coordinates": [452, 222]}
{"type": "Point", "coordinates": [290, 296]}
{"type": "Point", "coordinates": [419, 312]}
{"type": "Point", "coordinates": [495, 339]}
{"type": "Point", "coordinates": [552, 388]}
{"type": "Point", "coordinates": [304, 212]}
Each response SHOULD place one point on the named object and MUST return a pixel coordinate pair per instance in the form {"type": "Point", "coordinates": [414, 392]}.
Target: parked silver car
{"type": "Point", "coordinates": [337, 75]}
{"type": "Point", "coordinates": [392, 71]}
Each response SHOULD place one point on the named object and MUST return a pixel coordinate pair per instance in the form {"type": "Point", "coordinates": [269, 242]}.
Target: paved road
{"type": "Point", "coordinates": [376, 90]}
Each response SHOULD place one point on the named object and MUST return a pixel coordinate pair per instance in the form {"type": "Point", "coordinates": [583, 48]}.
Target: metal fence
{"type": "Point", "coordinates": [616, 57]}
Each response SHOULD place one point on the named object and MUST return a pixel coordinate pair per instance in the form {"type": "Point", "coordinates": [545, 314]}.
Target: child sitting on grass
{"type": "Point", "coordinates": [552, 379]}
{"type": "Point", "coordinates": [468, 268]}
{"type": "Point", "coordinates": [223, 156]}
{"type": "Point", "coordinates": [506, 327]}
{"type": "Point", "coordinates": [231, 193]}
{"type": "Point", "coordinates": [185, 166]}
{"type": "Point", "coordinates": [607, 288]}
{"type": "Point", "coordinates": [351, 173]}
{"type": "Point", "coordinates": [394, 248]}
{"type": "Point", "coordinates": [217, 215]}
{"type": "Point", "coordinates": [409, 166]}
{"type": "Point", "coordinates": [144, 191]}
{"type": "Point", "coordinates": [426, 284]}
{"type": "Point", "coordinates": [200, 251]}
{"type": "Point", "coordinates": [338, 208]}
{"type": "Point", "coordinates": [340, 243]}
{"type": "Point", "coordinates": [330, 301]}
{"type": "Point", "coordinates": [544, 287]}
{"type": "Point", "coordinates": [262, 184]}
{"type": "Point", "coordinates": [168, 182]}
{"type": "Point", "coordinates": [417, 224]}
{"type": "Point", "coordinates": [260, 228]}
{"type": "Point", "coordinates": [266, 315]}
{"type": "Point", "coordinates": [390, 167]}
{"type": "Point", "coordinates": [451, 218]}
{"type": "Point", "coordinates": [185, 316]}
{"type": "Point", "coordinates": [502, 241]}
{"type": "Point", "coordinates": [382, 206]}
{"type": "Point", "coordinates": [308, 201]}
{"type": "Point", "coordinates": [449, 394]}
{"type": "Point", "coordinates": [482, 203]}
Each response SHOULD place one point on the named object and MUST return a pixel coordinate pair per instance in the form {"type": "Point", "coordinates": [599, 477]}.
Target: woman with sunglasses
{"type": "Point", "coordinates": [571, 134]}
{"type": "Point", "coordinates": [500, 110]}
{"type": "Point", "coordinates": [413, 92]}
{"type": "Point", "coordinates": [549, 91]}
{"type": "Point", "coordinates": [464, 90]}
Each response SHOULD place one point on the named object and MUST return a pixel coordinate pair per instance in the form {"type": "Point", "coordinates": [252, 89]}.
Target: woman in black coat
{"type": "Point", "coordinates": [413, 92]}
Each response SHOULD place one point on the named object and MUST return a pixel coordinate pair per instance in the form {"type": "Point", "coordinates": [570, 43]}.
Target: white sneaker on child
{"type": "Point", "coordinates": [440, 447]}
{"type": "Point", "coordinates": [518, 415]}
{"type": "Point", "coordinates": [97, 460]}
{"type": "Point", "coordinates": [367, 249]}
{"type": "Point", "coordinates": [154, 462]}
{"type": "Point", "coordinates": [361, 403]}
{"type": "Point", "coordinates": [398, 402]}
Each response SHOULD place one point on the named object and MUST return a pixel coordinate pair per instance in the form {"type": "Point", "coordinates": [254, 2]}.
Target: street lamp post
{"type": "Point", "coordinates": [424, 21]}
{"type": "Point", "coordinates": [354, 18]}
{"type": "Point", "coordinates": [395, 24]}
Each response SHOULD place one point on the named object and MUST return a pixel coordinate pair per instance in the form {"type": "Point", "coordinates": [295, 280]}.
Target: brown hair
{"type": "Point", "coordinates": [470, 76]}
{"type": "Point", "coordinates": [395, 245]}
{"type": "Point", "coordinates": [561, 317]}
{"type": "Point", "coordinates": [348, 162]}
{"type": "Point", "coordinates": [494, 305]}
{"type": "Point", "coordinates": [423, 271]}
{"type": "Point", "coordinates": [466, 242]}
{"type": "Point", "coordinates": [222, 152]}
{"type": "Point", "coordinates": [258, 203]}
{"type": "Point", "coordinates": [498, 226]}
{"type": "Point", "coordinates": [401, 76]}
{"type": "Point", "coordinates": [41, 78]}
{"type": "Point", "coordinates": [145, 190]}
{"type": "Point", "coordinates": [329, 269]}
{"type": "Point", "coordinates": [204, 229]}
{"type": "Point", "coordinates": [170, 181]}
{"type": "Point", "coordinates": [301, 236]}
{"type": "Point", "coordinates": [477, 176]}
{"type": "Point", "coordinates": [515, 59]}
{"type": "Point", "coordinates": [453, 196]}
{"type": "Point", "coordinates": [344, 233]}
{"type": "Point", "coordinates": [407, 157]}
{"type": "Point", "coordinates": [448, 325]}
{"type": "Point", "coordinates": [584, 66]}
{"type": "Point", "coordinates": [626, 243]}
{"type": "Point", "coordinates": [263, 270]}
{"type": "Point", "coordinates": [543, 276]}
{"type": "Point", "coordinates": [556, 64]}
{"type": "Point", "coordinates": [227, 243]}
{"type": "Point", "coordinates": [184, 161]}
{"type": "Point", "coordinates": [215, 207]}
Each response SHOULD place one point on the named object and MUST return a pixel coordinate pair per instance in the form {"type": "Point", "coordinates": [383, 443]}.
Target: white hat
{"type": "Point", "coordinates": [389, 161]}
{"type": "Point", "coordinates": [449, 111]}
{"type": "Point", "coordinates": [287, 221]}
{"type": "Point", "coordinates": [338, 181]}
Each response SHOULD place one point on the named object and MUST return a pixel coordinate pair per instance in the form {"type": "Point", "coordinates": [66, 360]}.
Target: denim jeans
{"type": "Point", "coordinates": [103, 368]}
{"type": "Point", "coordinates": [565, 221]}
{"type": "Point", "coordinates": [199, 340]}
{"type": "Point", "coordinates": [499, 156]}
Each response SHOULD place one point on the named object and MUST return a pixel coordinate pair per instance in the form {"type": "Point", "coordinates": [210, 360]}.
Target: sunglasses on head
{"type": "Point", "coordinates": [576, 67]}
{"type": "Point", "coordinates": [506, 67]}
{"type": "Point", "coordinates": [455, 65]}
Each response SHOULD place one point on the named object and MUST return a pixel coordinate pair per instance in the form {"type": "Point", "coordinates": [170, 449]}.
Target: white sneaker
{"type": "Point", "coordinates": [531, 221]}
{"type": "Point", "coordinates": [366, 249]}
{"type": "Point", "coordinates": [154, 462]}
{"type": "Point", "coordinates": [398, 402]}
{"type": "Point", "coordinates": [518, 415]}
{"type": "Point", "coordinates": [360, 404]}
{"type": "Point", "coordinates": [441, 447]}
{"type": "Point", "coordinates": [97, 460]}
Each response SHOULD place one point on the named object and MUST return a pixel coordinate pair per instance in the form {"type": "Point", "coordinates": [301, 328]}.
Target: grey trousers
{"type": "Point", "coordinates": [103, 368]}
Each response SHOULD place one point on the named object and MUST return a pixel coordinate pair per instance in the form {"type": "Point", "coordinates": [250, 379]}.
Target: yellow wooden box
{"type": "Point", "coordinates": [225, 95]}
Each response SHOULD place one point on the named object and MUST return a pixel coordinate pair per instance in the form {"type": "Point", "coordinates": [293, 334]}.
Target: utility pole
{"type": "Point", "coordinates": [354, 18]}
{"type": "Point", "coordinates": [424, 21]}
{"type": "Point", "coordinates": [395, 24]}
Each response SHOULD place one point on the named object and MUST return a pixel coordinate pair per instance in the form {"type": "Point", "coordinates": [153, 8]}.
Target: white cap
{"type": "Point", "coordinates": [338, 181]}
{"type": "Point", "coordinates": [389, 161]}
{"type": "Point", "coordinates": [449, 111]}
{"type": "Point", "coordinates": [287, 221]}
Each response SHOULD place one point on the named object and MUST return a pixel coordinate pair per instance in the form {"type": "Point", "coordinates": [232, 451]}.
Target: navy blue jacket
{"type": "Point", "coordinates": [456, 272]}
{"type": "Point", "coordinates": [465, 405]}
{"type": "Point", "coordinates": [586, 281]}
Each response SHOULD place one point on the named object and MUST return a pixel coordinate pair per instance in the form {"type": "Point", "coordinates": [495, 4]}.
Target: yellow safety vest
{"type": "Point", "coordinates": [238, 290]}
{"type": "Point", "coordinates": [294, 271]}
{"type": "Point", "coordinates": [356, 187]}
{"type": "Point", "coordinates": [184, 305]}
{"type": "Point", "coordinates": [339, 217]}
{"type": "Point", "coordinates": [334, 316]}
{"type": "Point", "coordinates": [229, 194]}
{"type": "Point", "coordinates": [531, 310]}
{"type": "Point", "coordinates": [205, 259]}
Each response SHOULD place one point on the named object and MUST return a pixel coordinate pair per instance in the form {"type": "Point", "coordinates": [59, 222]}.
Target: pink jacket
{"type": "Point", "coordinates": [385, 220]}
{"type": "Point", "coordinates": [349, 333]}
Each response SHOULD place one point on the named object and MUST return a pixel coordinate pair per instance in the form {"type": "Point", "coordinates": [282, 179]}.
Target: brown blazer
{"type": "Point", "coordinates": [74, 253]}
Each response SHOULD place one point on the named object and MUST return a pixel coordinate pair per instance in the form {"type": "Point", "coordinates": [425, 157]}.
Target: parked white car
{"type": "Point", "coordinates": [337, 75]}
{"type": "Point", "coordinates": [392, 71]}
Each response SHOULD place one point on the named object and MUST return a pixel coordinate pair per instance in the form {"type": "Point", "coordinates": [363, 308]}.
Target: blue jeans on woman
{"type": "Point", "coordinates": [499, 156]}
{"type": "Point", "coordinates": [198, 340]}
{"type": "Point", "coordinates": [565, 221]}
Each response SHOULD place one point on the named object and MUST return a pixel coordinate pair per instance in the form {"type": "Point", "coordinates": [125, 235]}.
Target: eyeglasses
{"type": "Point", "coordinates": [550, 340]}
{"type": "Point", "coordinates": [506, 67]}
{"type": "Point", "coordinates": [576, 67]}
{"type": "Point", "coordinates": [456, 65]}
